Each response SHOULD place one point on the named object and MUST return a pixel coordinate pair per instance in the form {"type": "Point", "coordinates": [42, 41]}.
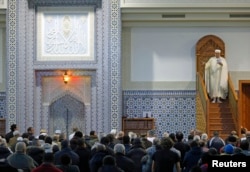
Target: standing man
{"type": "Point", "coordinates": [216, 77]}
{"type": "Point", "coordinates": [9, 135]}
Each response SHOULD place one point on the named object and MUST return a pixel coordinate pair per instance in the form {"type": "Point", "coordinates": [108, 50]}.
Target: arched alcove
{"type": "Point", "coordinates": [65, 113]}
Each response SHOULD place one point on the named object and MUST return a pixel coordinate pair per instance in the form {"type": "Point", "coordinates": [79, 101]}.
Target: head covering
{"type": "Point", "coordinates": [217, 51]}
{"type": "Point", "coordinates": [113, 131]}
{"type": "Point", "coordinates": [229, 149]}
{"type": "Point", "coordinates": [19, 139]}
{"type": "Point", "coordinates": [58, 132]}
{"type": "Point", "coordinates": [43, 132]}
{"type": "Point", "coordinates": [16, 132]}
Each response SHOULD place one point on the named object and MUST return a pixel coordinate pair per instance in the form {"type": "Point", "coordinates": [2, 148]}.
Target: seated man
{"type": "Point", "coordinates": [66, 164]}
{"type": "Point", "coordinates": [20, 160]}
{"type": "Point", "coordinates": [48, 164]}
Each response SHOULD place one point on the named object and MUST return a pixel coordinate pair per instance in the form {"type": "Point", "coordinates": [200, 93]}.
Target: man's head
{"type": "Point", "coordinates": [65, 144]}
{"type": "Point", "coordinates": [179, 136]}
{"type": "Point", "coordinates": [119, 148]}
{"type": "Point", "coordinates": [126, 139]}
{"type": "Point", "coordinates": [167, 143]}
{"type": "Point", "coordinates": [109, 160]}
{"type": "Point", "coordinates": [216, 134]}
{"type": "Point", "coordinates": [156, 141]}
{"type": "Point", "coordinates": [30, 130]}
{"type": "Point", "coordinates": [74, 129]}
{"type": "Point", "coordinates": [81, 142]}
{"type": "Point", "coordinates": [16, 133]}
{"type": "Point", "coordinates": [13, 127]}
{"type": "Point", "coordinates": [78, 134]}
{"type": "Point", "coordinates": [92, 133]}
{"type": "Point", "coordinates": [20, 147]}
{"type": "Point", "coordinates": [217, 52]}
{"type": "Point", "coordinates": [65, 159]}
{"type": "Point", "coordinates": [48, 157]}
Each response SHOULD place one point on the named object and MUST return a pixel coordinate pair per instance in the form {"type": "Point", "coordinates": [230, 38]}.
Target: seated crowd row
{"type": "Point", "coordinates": [116, 152]}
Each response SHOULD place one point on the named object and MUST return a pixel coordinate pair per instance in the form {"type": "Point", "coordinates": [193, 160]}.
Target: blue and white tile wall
{"type": "Point", "coordinates": [173, 110]}
{"type": "Point", "coordinates": [2, 105]}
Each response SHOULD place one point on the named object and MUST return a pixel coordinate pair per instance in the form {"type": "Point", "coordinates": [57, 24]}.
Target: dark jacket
{"type": "Point", "coordinates": [136, 153]}
{"type": "Point", "coordinates": [36, 153]}
{"type": "Point", "coordinates": [68, 168]}
{"type": "Point", "coordinates": [4, 166]}
{"type": "Point", "coordinates": [125, 163]}
{"type": "Point", "coordinates": [110, 168]}
{"type": "Point", "coordinates": [96, 161]}
{"type": "Point", "coordinates": [74, 157]}
{"type": "Point", "coordinates": [191, 158]}
{"type": "Point", "coordinates": [84, 157]}
{"type": "Point", "coordinates": [4, 152]}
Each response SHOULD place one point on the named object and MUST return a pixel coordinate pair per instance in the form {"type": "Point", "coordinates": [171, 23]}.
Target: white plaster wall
{"type": "Point", "coordinates": [167, 54]}
{"type": "Point", "coordinates": [239, 75]}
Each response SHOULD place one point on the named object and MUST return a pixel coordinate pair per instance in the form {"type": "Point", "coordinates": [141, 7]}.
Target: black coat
{"type": "Point", "coordinates": [4, 165]}
{"type": "Point", "coordinates": [84, 157]}
{"type": "Point", "coordinates": [36, 153]}
{"type": "Point", "coordinates": [136, 153]}
{"type": "Point", "coordinates": [74, 157]}
{"type": "Point", "coordinates": [125, 163]}
{"type": "Point", "coordinates": [110, 168]}
{"type": "Point", "coordinates": [96, 161]}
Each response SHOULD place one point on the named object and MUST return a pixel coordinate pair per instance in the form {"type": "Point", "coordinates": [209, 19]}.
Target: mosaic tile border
{"type": "Point", "coordinates": [2, 105]}
{"type": "Point", "coordinates": [172, 110]}
{"type": "Point", "coordinates": [108, 105]}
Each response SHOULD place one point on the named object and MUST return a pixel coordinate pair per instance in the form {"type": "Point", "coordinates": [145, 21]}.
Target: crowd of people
{"type": "Point", "coordinates": [116, 151]}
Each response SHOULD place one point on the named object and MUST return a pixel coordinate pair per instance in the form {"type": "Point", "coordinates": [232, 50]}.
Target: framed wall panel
{"type": "Point", "coordinates": [65, 34]}
{"type": "Point", "coordinates": [3, 4]}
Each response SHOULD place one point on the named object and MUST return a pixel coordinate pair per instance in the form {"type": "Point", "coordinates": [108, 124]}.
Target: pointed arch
{"type": "Point", "coordinates": [205, 49]}
{"type": "Point", "coordinates": [66, 113]}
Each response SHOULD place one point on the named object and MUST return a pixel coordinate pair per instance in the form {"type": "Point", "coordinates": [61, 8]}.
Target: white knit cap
{"type": "Point", "coordinates": [217, 51]}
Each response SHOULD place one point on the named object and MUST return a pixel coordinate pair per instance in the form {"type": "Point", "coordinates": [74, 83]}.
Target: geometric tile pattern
{"type": "Point", "coordinates": [2, 105]}
{"type": "Point", "coordinates": [173, 110]}
{"type": "Point", "coordinates": [115, 81]}
{"type": "Point", "coordinates": [22, 64]}
{"type": "Point", "coordinates": [11, 62]}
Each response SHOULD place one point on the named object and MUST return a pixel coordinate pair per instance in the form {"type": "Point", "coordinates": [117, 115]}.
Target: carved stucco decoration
{"type": "Point", "coordinates": [205, 48]}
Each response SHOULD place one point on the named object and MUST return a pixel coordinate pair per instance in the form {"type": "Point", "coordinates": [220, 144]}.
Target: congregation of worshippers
{"type": "Point", "coordinates": [116, 151]}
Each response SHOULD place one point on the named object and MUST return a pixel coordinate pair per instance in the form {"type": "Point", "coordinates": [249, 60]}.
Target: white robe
{"type": "Point", "coordinates": [216, 78]}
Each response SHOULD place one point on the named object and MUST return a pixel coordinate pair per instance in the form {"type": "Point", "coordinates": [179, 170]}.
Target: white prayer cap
{"type": "Point", "coordinates": [113, 131]}
{"type": "Point", "coordinates": [19, 139]}
{"type": "Point", "coordinates": [217, 51]}
{"type": "Point", "coordinates": [58, 132]}
{"type": "Point", "coordinates": [16, 132]}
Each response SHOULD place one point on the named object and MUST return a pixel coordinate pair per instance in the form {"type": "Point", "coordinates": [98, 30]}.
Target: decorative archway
{"type": "Point", "coordinates": [205, 49]}
{"type": "Point", "coordinates": [66, 113]}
